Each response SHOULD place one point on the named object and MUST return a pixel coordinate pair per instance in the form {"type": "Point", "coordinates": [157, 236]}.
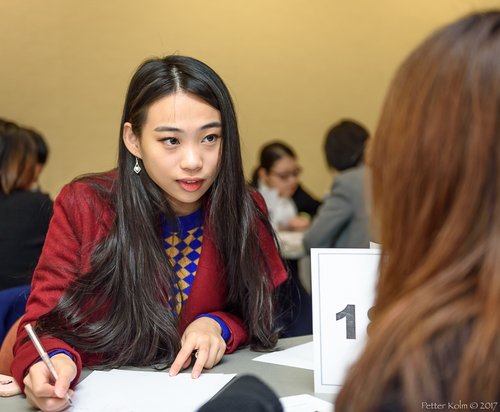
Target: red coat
{"type": "Point", "coordinates": [81, 219]}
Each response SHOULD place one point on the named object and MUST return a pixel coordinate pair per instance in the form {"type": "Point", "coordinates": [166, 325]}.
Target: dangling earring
{"type": "Point", "coordinates": [137, 168]}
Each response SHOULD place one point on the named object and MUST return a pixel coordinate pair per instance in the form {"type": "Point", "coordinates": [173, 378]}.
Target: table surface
{"type": "Point", "coordinates": [284, 380]}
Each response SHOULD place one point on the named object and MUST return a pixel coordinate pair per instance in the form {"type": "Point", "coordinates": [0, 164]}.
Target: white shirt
{"type": "Point", "coordinates": [281, 209]}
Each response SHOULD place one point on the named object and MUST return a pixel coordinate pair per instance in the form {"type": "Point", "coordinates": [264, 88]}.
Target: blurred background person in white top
{"type": "Point", "coordinates": [277, 179]}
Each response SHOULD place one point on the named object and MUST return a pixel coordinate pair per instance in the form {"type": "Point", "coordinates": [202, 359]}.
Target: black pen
{"type": "Point", "coordinates": [45, 357]}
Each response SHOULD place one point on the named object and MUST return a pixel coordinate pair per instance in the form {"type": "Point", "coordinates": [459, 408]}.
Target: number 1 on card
{"type": "Point", "coordinates": [349, 313]}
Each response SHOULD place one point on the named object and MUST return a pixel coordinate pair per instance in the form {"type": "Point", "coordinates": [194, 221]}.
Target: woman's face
{"type": "Point", "coordinates": [180, 146]}
{"type": "Point", "coordinates": [283, 176]}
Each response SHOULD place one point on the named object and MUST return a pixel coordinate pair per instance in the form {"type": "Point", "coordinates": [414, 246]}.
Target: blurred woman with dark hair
{"type": "Point", "coordinates": [24, 220]}
{"type": "Point", "coordinates": [24, 215]}
{"type": "Point", "coordinates": [42, 153]}
{"type": "Point", "coordinates": [277, 179]}
{"type": "Point", "coordinates": [435, 332]}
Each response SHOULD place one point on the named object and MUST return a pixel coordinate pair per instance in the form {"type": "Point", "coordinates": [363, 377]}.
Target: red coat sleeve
{"type": "Point", "coordinates": [66, 252]}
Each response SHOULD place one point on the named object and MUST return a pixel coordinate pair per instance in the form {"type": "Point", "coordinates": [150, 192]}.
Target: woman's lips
{"type": "Point", "coordinates": [190, 185]}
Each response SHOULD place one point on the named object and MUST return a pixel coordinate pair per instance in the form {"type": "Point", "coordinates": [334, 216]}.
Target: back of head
{"type": "Point", "coordinates": [436, 150]}
{"type": "Point", "coordinates": [345, 144]}
{"type": "Point", "coordinates": [435, 157]}
{"type": "Point", "coordinates": [17, 158]}
{"type": "Point", "coordinates": [42, 150]}
{"type": "Point", "coordinates": [6, 126]}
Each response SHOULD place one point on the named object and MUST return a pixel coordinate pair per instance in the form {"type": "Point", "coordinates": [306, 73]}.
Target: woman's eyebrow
{"type": "Point", "coordinates": [211, 125]}
{"type": "Point", "coordinates": [167, 129]}
{"type": "Point", "coordinates": [176, 129]}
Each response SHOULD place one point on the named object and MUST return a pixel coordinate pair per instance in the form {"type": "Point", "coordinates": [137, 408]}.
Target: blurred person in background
{"type": "Point", "coordinates": [277, 179]}
{"type": "Point", "coordinates": [24, 220]}
{"type": "Point", "coordinates": [343, 218]}
{"type": "Point", "coordinates": [24, 215]}
{"type": "Point", "coordinates": [42, 153]}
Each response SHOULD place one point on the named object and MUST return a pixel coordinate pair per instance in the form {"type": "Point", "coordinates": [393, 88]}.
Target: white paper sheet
{"type": "Point", "coordinates": [300, 356]}
{"type": "Point", "coordinates": [305, 403]}
{"type": "Point", "coordinates": [140, 391]}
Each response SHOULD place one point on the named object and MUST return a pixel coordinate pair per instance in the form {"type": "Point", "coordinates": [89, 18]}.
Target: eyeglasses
{"type": "Point", "coordinates": [287, 175]}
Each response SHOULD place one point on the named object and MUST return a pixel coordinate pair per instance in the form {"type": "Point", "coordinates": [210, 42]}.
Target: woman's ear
{"type": "Point", "coordinates": [131, 140]}
{"type": "Point", "coordinates": [261, 172]}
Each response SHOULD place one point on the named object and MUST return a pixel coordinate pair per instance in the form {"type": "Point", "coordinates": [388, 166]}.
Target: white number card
{"type": "Point", "coordinates": [343, 289]}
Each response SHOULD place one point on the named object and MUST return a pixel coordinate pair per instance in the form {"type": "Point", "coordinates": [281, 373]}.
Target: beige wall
{"type": "Point", "coordinates": [294, 66]}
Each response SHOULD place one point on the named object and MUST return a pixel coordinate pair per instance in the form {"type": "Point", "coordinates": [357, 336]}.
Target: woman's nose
{"type": "Point", "coordinates": [191, 158]}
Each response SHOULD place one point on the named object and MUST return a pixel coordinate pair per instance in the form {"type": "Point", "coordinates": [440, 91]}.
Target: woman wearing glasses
{"type": "Point", "coordinates": [277, 179]}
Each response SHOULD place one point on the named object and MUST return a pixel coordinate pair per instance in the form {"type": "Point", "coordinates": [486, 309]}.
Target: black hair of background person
{"type": "Point", "coordinates": [24, 215]}
{"type": "Point", "coordinates": [269, 154]}
{"type": "Point", "coordinates": [42, 153]}
{"type": "Point", "coordinates": [42, 149]}
{"type": "Point", "coordinates": [345, 144]}
{"type": "Point", "coordinates": [343, 219]}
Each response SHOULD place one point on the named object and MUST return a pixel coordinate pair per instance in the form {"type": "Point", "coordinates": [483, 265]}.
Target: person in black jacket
{"type": "Point", "coordinates": [24, 220]}
{"type": "Point", "coordinates": [24, 214]}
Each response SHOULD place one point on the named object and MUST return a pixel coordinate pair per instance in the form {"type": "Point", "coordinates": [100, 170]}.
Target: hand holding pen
{"type": "Point", "coordinates": [36, 382]}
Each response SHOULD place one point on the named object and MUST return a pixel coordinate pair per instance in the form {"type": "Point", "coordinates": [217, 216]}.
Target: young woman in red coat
{"type": "Point", "coordinates": [169, 254]}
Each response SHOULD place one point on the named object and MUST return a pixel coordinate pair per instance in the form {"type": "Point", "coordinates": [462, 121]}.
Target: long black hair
{"type": "Point", "coordinates": [126, 292]}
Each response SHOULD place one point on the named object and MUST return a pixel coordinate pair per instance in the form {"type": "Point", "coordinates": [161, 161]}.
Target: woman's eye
{"type": "Point", "coordinates": [170, 141]}
{"type": "Point", "coordinates": [210, 138]}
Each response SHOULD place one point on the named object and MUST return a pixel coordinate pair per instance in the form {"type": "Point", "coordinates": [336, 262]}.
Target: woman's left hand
{"type": "Point", "coordinates": [203, 337]}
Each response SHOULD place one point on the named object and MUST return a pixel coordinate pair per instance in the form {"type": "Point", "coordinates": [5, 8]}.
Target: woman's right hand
{"type": "Point", "coordinates": [299, 223]}
{"type": "Point", "coordinates": [40, 388]}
